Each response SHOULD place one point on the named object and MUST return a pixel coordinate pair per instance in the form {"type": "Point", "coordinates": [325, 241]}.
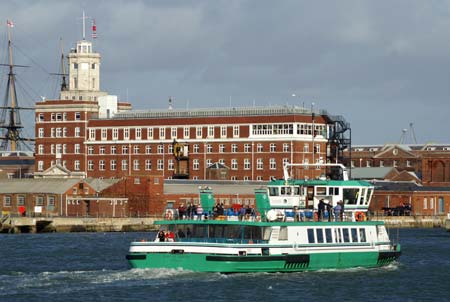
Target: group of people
{"type": "Point", "coordinates": [337, 211]}
{"type": "Point", "coordinates": [190, 211]}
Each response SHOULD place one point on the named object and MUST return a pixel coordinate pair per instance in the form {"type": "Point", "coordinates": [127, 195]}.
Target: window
{"type": "Point", "coordinates": [195, 164]}
{"type": "Point", "coordinates": [52, 149]}
{"type": "Point", "coordinates": [148, 164]}
{"type": "Point", "coordinates": [247, 148]}
{"type": "Point", "coordinates": [170, 165]}
{"type": "Point", "coordinates": [285, 147]}
{"type": "Point", "coordinates": [259, 148]}
{"type": "Point", "coordinates": [223, 131]}
{"type": "Point", "coordinates": [101, 165]}
{"type": "Point", "coordinates": [90, 165]}
{"type": "Point", "coordinates": [136, 149]}
{"type": "Point", "coordinates": [381, 163]}
{"type": "Point", "coordinates": [148, 149]}
{"type": "Point", "coordinates": [235, 131]}
{"type": "Point", "coordinates": [160, 149]}
{"type": "Point", "coordinates": [40, 117]}
{"type": "Point", "coordinates": [20, 200]}
{"type": "Point", "coordinates": [126, 133]}
{"type": "Point", "coordinates": [170, 149]}
{"type": "Point", "coordinates": [234, 148]}
{"type": "Point", "coordinates": [76, 165]}
{"type": "Point", "coordinates": [41, 132]}
{"type": "Point", "coordinates": [113, 150]}
{"type": "Point", "coordinates": [306, 148]}
{"type": "Point", "coordinates": [64, 132]}
{"type": "Point", "coordinates": [77, 131]}
{"type": "Point", "coordinates": [162, 133]}
{"type": "Point", "coordinates": [317, 148]}
{"type": "Point", "coordinates": [259, 164]}
{"type": "Point", "coordinates": [196, 149]}
{"type": "Point", "coordinates": [124, 165]}
{"type": "Point", "coordinates": [209, 148]}
{"type": "Point", "coordinates": [198, 132]}
{"type": "Point", "coordinates": [39, 201]}
{"type": "Point", "coordinates": [41, 149]}
{"type": "Point", "coordinates": [52, 132]}
{"type": "Point", "coordinates": [210, 131]}
{"type": "Point", "coordinates": [234, 164]}
{"type": "Point", "coordinates": [186, 132]}
{"type": "Point", "coordinates": [113, 165]}
{"type": "Point", "coordinates": [102, 150]}
{"type": "Point", "coordinates": [40, 165]}
{"type": "Point", "coordinates": [58, 132]}
{"type": "Point", "coordinates": [273, 147]}
{"type": "Point", "coordinates": [272, 164]}
{"type": "Point", "coordinates": [221, 148]}
{"type": "Point", "coordinates": [115, 134]}
{"type": "Point", "coordinates": [104, 132]}
{"type": "Point", "coordinates": [425, 204]}
{"type": "Point", "coordinates": [77, 116]}
{"type": "Point", "coordinates": [173, 132]}
{"type": "Point", "coordinates": [77, 149]}
{"type": "Point", "coordinates": [394, 164]}
{"type": "Point", "coordinates": [6, 201]}
{"type": "Point", "coordinates": [136, 165]}
{"type": "Point", "coordinates": [124, 149]}
{"type": "Point", "coordinates": [90, 150]}
{"type": "Point", "coordinates": [247, 165]}
{"type": "Point", "coordinates": [91, 134]}
{"type": "Point", "coordinates": [160, 165]}
{"type": "Point", "coordinates": [150, 133]}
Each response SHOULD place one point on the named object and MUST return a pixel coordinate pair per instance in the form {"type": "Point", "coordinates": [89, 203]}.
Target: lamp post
{"type": "Point", "coordinates": [313, 132]}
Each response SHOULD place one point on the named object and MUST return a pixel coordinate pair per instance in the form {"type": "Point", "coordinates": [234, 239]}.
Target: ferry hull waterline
{"type": "Point", "coordinates": [289, 231]}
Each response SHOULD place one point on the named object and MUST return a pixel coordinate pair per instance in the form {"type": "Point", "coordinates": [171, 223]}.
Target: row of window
{"type": "Point", "coordinates": [20, 201]}
{"type": "Point", "coordinates": [234, 148]}
{"type": "Point", "coordinates": [336, 235]}
{"type": "Point", "coordinates": [59, 132]}
{"type": "Point", "coordinates": [58, 117]}
{"type": "Point", "coordinates": [289, 129]}
{"type": "Point", "coordinates": [139, 133]}
{"type": "Point", "coordinates": [369, 163]}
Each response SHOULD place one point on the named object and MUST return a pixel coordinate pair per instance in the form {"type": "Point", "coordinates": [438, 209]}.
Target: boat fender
{"type": "Point", "coordinates": [360, 216]}
{"type": "Point", "coordinates": [169, 215]}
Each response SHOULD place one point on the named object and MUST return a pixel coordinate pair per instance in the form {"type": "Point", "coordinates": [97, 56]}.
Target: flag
{"type": "Point", "coordinates": [9, 23]}
{"type": "Point", "coordinates": [94, 30]}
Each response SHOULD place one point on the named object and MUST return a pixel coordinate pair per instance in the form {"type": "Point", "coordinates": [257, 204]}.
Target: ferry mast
{"type": "Point", "coordinates": [10, 121]}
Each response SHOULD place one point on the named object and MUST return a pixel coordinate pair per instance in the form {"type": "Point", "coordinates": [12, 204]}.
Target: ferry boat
{"type": "Point", "coordinates": [286, 235]}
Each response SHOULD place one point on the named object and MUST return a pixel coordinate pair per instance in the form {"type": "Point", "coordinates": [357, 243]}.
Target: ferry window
{"type": "Point", "coordinates": [319, 234]}
{"type": "Point", "coordinates": [232, 232]}
{"type": "Point", "coordinates": [311, 236]}
{"type": "Point", "coordinates": [283, 234]}
{"type": "Point", "coordinates": [321, 191]}
{"type": "Point", "coordinates": [216, 231]}
{"type": "Point", "coordinates": [337, 233]}
{"type": "Point", "coordinates": [350, 196]}
{"type": "Point", "coordinates": [328, 236]}
{"type": "Point", "coordinates": [333, 191]}
{"type": "Point", "coordinates": [273, 191]}
{"type": "Point", "coordinates": [346, 235]}
{"type": "Point", "coordinates": [252, 233]}
{"type": "Point", "coordinates": [296, 190]}
{"type": "Point", "coordinates": [354, 235]}
{"type": "Point", "coordinates": [362, 235]}
{"type": "Point", "coordinates": [266, 233]}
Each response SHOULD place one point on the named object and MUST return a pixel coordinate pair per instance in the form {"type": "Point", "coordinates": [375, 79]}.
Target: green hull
{"type": "Point", "coordinates": [272, 263]}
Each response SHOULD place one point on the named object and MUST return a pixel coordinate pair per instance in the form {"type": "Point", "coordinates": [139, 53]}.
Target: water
{"type": "Point", "coordinates": [92, 267]}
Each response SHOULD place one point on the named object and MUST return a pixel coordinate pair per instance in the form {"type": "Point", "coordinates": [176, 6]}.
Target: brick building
{"type": "Point", "coordinates": [429, 162]}
{"type": "Point", "coordinates": [92, 134]}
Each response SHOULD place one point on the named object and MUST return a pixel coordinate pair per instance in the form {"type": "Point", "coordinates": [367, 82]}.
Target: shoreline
{"type": "Point", "coordinates": [86, 224]}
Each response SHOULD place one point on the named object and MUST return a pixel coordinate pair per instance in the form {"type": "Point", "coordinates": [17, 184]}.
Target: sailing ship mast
{"type": "Point", "coordinates": [10, 117]}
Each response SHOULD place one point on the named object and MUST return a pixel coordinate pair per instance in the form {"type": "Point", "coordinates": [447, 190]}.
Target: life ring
{"type": "Point", "coordinates": [360, 216]}
{"type": "Point", "coordinates": [169, 215]}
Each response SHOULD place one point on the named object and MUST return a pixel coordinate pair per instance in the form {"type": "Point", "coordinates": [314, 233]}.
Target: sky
{"type": "Point", "coordinates": [381, 64]}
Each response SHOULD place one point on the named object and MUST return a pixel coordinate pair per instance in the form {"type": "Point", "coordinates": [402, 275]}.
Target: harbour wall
{"type": "Point", "coordinates": [77, 224]}
{"type": "Point", "coordinates": [88, 224]}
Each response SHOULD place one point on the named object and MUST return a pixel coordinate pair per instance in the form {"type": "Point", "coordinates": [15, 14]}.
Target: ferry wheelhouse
{"type": "Point", "coordinates": [284, 236]}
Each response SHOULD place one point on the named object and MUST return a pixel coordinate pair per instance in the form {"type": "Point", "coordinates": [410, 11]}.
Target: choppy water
{"type": "Point", "coordinates": [92, 267]}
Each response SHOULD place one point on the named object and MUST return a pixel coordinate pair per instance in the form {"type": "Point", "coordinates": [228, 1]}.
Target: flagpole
{"type": "Point", "coordinates": [84, 26]}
